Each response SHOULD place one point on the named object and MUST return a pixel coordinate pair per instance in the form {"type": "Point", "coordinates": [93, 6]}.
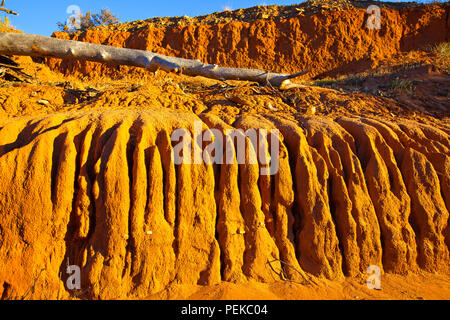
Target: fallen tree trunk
{"type": "Point", "coordinates": [33, 45]}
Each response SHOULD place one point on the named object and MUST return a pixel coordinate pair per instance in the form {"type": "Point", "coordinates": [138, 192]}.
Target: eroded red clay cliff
{"type": "Point", "coordinates": [327, 44]}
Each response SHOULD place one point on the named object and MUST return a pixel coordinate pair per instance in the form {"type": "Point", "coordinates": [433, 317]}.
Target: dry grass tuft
{"type": "Point", "coordinates": [442, 53]}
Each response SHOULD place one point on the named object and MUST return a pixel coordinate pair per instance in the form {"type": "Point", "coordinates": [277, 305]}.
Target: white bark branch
{"type": "Point", "coordinates": [33, 45]}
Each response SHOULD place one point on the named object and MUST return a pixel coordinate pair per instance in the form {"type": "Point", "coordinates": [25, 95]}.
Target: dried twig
{"type": "Point", "coordinates": [7, 10]}
{"type": "Point", "coordinates": [31, 289]}
{"type": "Point", "coordinates": [282, 274]}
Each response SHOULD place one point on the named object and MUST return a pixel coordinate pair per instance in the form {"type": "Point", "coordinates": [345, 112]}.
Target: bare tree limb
{"type": "Point", "coordinates": [32, 45]}
{"type": "Point", "coordinates": [9, 11]}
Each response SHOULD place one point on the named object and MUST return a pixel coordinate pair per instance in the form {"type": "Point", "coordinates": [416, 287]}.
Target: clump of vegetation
{"type": "Point", "coordinates": [442, 50]}
{"type": "Point", "coordinates": [403, 85]}
{"type": "Point", "coordinates": [327, 82]}
{"type": "Point", "coordinates": [344, 82]}
{"type": "Point", "coordinates": [354, 81]}
{"type": "Point", "coordinates": [442, 53]}
{"type": "Point", "coordinates": [89, 20]}
{"type": "Point", "coordinates": [5, 23]}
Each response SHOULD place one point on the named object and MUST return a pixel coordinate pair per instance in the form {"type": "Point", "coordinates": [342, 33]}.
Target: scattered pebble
{"type": "Point", "coordinates": [271, 107]}
{"type": "Point", "coordinates": [311, 110]}
{"type": "Point", "coordinates": [43, 102]}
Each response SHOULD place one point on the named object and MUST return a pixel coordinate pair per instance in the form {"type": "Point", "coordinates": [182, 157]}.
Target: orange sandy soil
{"type": "Point", "coordinates": [364, 179]}
{"type": "Point", "coordinates": [417, 286]}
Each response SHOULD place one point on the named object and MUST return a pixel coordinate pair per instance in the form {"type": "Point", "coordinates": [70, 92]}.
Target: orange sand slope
{"type": "Point", "coordinates": [87, 179]}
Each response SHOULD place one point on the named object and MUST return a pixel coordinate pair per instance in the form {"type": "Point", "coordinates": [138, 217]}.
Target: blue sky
{"type": "Point", "coordinates": [41, 16]}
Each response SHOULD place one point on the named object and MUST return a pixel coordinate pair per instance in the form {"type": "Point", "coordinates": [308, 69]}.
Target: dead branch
{"type": "Point", "coordinates": [32, 288]}
{"type": "Point", "coordinates": [9, 11]}
{"type": "Point", "coordinates": [34, 45]}
{"type": "Point", "coordinates": [283, 275]}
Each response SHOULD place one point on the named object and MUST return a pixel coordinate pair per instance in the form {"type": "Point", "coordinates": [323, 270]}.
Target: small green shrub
{"type": "Point", "coordinates": [403, 85]}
